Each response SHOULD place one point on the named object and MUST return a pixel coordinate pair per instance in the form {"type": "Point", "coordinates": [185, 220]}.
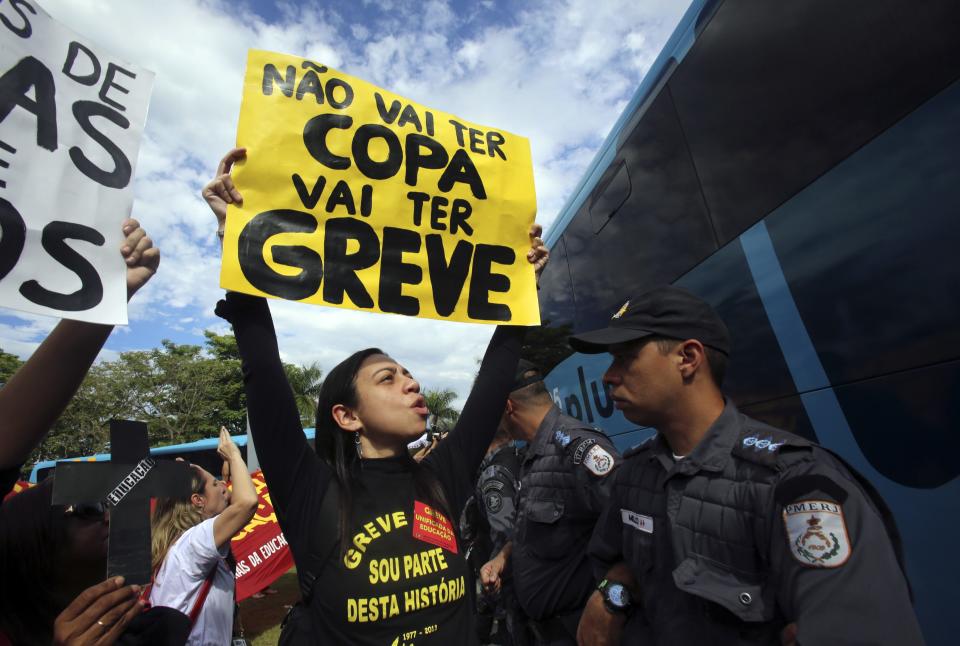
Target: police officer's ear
{"type": "Point", "coordinates": [509, 408]}
{"type": "Point", "coordinates": [691, 357]}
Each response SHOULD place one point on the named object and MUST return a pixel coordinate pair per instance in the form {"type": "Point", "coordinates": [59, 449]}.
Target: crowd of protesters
{"type": "Point", "coordinates": [523, 525]}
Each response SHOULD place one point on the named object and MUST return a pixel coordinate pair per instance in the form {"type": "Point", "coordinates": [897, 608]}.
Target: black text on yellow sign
{"type": "Point", "coordinates": [355, 197]}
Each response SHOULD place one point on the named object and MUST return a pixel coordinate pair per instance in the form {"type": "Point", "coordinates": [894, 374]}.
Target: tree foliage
{"type": "Point", "coordinates": [183, 392]}
{"type": "Point", "coordinates": [440, 403]}
{"type": "Point", "coordinates": [8, 365]}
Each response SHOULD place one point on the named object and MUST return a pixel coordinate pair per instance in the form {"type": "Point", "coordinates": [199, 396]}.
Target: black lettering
{"type": "Point", "coordinates": [461, 169]}
{"type": "Point", "coordinates": [252, 246]}
{"type": "Point", "coordinates": [418, 198]}
{"type": "Point", "coordinates": [342, 267]}
{"type": "Point", "coordinates": [271, 77]}
{"type": "Point", "coordinates": [583, 392]}
{"type": "Point", "coordinates": [447, 279]}
{"type": "Point", "coordinates": [366, 200]}
{"type": "Point", "coordinates": [310, 65]}
{"type": "Point", "coordinates": [25, 30]}
{"type": "Point", "coordinates": [14, 84]}
{"type": "Point", "coordinates": [341, 196]}
{"type": "Point", "coordinates": [494, 139]}
{"type": "Point", "coordinates": [573, 407]}
{"type": "Point", "coordinates": [315, 139]}
{"type": "Point", "coordinates": [409, 115]}
{"type": "Point", "coordinates": [430, 123]}
{"type": "Point", "coordinates": [90, 79]}
{"type": "Point", "coordinates": [483, 281]}
{"type": "Point", "coordinates": [108, 83]}
{"type": "Point", "coordinates": [437, 213]}
{"type": "Point", "coordinates": [459, 127]}
{"type": "Point", "coordinates": [13, 235]}
{"type": "Point", "coordinates": [361, 151]}
{"type": "Point", "coordinates": [310, 84]}
{"type": "Point", "coordinates": [435, 158]}
{"type": "Point", "coordinates": [605, 409]}
{"type": "Point", "coordinates": [332, 85]}
{"type": "Point", "coordinates": [476, 141]}
{"type": "Point", "coordinates": [459, 213]}
{"type": "Point", "coordinates": [387, 116]}
{"type": "Point", "coordinates": [120, 175]}
{"type": "Point", "coordinates": [54, 239]}
{"type": "Point", "coordinates": [309, 200]}
{"type": "Point", "coordinates": [394, 273]}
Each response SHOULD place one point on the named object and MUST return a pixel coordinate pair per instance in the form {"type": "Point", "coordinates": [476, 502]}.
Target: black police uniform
{"type": "Point", "coordinates": [487, 524]}
{"type": "Point", "coordinates": [755, 529]}
{"type": "Point", "coordinates": [563, 488]}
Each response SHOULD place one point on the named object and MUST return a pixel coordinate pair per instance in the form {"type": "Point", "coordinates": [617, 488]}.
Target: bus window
{"type": "Point", "coordinates": [771, 99]}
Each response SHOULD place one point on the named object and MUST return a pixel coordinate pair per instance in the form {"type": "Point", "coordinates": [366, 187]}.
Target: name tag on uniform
{"type": "Point", "coordinates": [639, 521]}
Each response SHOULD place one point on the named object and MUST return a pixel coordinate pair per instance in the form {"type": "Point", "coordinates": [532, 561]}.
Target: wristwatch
{"type": "Point", "coordinates": [616, 597]}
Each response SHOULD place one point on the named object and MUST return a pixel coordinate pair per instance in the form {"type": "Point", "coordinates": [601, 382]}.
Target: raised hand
{"type": "Point", "coordinates": [539, 255]}
{"type": "Point", "coordinates": [220, 191]}
{"type": "Point", "coordinates": [141, 257]}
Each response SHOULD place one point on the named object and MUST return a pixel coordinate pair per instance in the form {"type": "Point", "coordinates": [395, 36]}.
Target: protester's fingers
{"type": "Point", "coordinates": [100, 614]}
{"type": "Point", "coordinates": [230, 159]}
{"type": "Point", "coordinates": [232, 190]}
{"type": "Point", "coordinates": [85, 599]}
{"type": "Point", "coordinates": [535, 230]}
{"type": "Point", "coordinates": [129, 225]}
{"type": "Point", "coordinates": [134, 245]}
{"type": "Point", "coordinates": [120, 623]}
{"type": "Point", "coordinates": [109, 620]}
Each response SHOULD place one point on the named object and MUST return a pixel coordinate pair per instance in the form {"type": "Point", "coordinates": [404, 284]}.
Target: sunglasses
{"type": "Point", "coordinates": [87, 511]}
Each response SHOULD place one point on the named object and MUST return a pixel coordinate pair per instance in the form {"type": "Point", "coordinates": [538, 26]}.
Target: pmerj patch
{"type": "Point", "coordinates": [493, 501]}
{"type": "Point", "coordinates": [581, 449]}
{"type": "Point", "coordinates": [561, 438]}
{"type": "Point", "coordinates": [761, 444]}
{"type": "Point", "coordinates": [817, 533]}
{"type": "Point", "coordinates": [598, 461]}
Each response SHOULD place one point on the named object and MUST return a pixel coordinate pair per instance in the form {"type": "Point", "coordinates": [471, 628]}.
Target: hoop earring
{"type": "Point", "coordinates": [356, 444]}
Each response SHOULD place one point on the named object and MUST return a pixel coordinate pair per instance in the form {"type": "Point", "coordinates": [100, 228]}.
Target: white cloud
{"type": "Point", "coordinates": [555, 72]}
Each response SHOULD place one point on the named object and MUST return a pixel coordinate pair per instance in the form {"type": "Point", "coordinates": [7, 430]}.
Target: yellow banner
{"type": "Point", "coordinates": [359, 198]}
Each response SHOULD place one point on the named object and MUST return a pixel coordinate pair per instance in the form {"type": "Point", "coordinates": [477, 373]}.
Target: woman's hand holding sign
{"type": "Point", "coordinates": [539, 255]}
{"type": "Point", "coordinates": [220, 191]}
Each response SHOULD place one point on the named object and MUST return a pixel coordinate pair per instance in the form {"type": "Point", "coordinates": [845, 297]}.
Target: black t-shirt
{"type": "Point", "coordinates": [424, 600]}
{"type": "Point", "coordinates": [8, 478]}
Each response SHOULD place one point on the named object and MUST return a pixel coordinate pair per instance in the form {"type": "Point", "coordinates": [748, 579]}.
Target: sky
{"type": "Point", "coordinates": [558, 72]}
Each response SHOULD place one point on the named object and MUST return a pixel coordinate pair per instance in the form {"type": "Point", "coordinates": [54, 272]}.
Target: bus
{"type": "Point", "coordinates": [795, 164]}
{"type": "Point", "coordinates": [201, 452]}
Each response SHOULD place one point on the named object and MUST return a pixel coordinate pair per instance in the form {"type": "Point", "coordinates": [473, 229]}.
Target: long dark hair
{"type": "Point", "coordinates": [337, 446]}
{"type": "Point", "coordinates": [36, 579]}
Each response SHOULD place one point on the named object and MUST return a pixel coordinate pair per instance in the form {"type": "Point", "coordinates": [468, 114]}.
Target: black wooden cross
{"type": "Point", "coordinates": [125, 485]}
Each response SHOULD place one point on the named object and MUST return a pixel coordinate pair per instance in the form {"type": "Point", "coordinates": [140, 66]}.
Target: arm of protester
{"type": "Point", "coordinates": [600, 626]}
{"type": "Point", "coordinates": [491, 572]}
{"type": "Point", "coordinates": [288, 462]}
{"type": "Point", "coordinates": [243, 498]}
{"type": "Point", "coordinates": [98, 615]}
{"type": "Point", "coordinates": [460, 454]}
{"type": "Point", "coordinates": [40, 390]}
{"type": "Point", "coordinates": [830, 548]}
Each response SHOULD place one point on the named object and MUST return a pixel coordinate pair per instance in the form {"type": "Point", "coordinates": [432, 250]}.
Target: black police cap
{"type": "Point", "coordinates": [527, 373]}
{"type": "Point", "coordinates": [664, 312]}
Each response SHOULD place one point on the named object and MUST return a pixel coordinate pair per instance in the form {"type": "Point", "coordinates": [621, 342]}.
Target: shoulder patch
{"type": "Point", "coordinates": [493, 501]}
{"type": "Point", "coordinates": [816, 533]}
{"type": "Point", "coordinates": [580, 449]}
{"type": "Point", "coordinates": [598, 461]}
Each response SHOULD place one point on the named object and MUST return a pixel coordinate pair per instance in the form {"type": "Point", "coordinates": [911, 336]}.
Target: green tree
{"type": "Point", "coordinates": [440, 404]}
{"type": "Point", "coordinates": [9, 363]}
{"type": "Point", "coordinates": [305, 382]}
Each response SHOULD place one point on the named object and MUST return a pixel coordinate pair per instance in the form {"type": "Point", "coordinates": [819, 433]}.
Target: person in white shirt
{"type": "Point", "coordinates": [191, 548]}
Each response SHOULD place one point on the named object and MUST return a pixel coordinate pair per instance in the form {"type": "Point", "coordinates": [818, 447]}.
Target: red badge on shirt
{"type": "Point", "coordinates": [431, 526]}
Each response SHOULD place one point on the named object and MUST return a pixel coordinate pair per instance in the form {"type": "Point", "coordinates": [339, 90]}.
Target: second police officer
{"type": "Point", "coordinates": [564, 485]}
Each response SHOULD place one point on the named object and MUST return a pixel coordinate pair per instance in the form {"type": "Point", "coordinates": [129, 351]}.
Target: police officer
{"type": "Point", "coordinates": [721, 529]}
{"type": "Point", "coordinates": [564, 485]}
{"type": "Point", "coordinates": [487, 524]}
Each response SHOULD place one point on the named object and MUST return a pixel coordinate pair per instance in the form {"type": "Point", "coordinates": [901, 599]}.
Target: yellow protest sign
{"type": "Point", "coordinates": [355, 197]}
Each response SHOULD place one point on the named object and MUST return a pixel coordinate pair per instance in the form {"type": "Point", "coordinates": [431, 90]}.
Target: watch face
{"type": "Point", "coordinates": [618, 595]}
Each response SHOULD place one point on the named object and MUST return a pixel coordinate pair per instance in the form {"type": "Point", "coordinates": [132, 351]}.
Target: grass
{"type": "Point", "coordinates": [261, 617]}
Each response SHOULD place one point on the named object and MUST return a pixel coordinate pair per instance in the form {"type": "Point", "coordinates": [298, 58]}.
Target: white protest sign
{"type": "Point", "coordinates": [71, 118]}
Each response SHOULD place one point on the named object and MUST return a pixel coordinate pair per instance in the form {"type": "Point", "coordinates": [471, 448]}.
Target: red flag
{"type": "Point", "coordinates": [19, 485]}
{"type": "Point", "coordinates": [260, 548]}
